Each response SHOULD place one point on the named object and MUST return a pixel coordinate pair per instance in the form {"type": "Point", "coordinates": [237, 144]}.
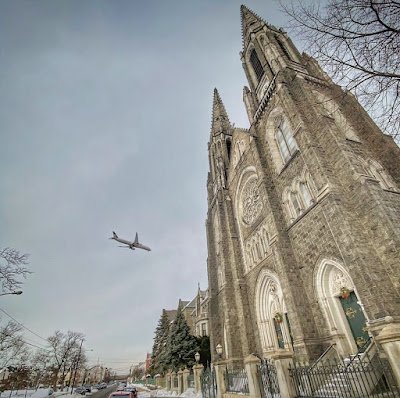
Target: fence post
{"type": "Point", "coordinates": [169, 380]}
{"type": "Point", "coordinates": [389, 338]}
{"type": "Point", "coordinates": [186, 373]}
{"type": "Point", "coordinates": [197, 371]}
{"type": "Point", "coordinates": [220, 367]}
{"type": "Point", "coordinates": [250, 364]}
{"type": "Point", "coordinates": [180, 384]}
{"type": "Point", "coordinates": [282, 361]}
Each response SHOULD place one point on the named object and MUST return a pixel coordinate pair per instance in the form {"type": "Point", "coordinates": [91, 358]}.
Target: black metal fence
{"type": "Point", "coordinates": [190, 380]}
{"type": "Point", "coordinates": [267, 379]}
{"type": "Point", "coordinates": [208, 384]}
{"type": "Point", "coordinates": [361, 376]}
{"type": "Point", "coordinates": [236, 381]}
{"type": "Point", "coordinates": [175, 381]}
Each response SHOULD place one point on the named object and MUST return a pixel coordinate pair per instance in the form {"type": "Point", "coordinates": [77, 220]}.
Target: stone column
{"type": "Point", "coordinates": [220, 367]}
{"type": "Point", "coordinates": [250, 364]}
{"type": "Point", "coordinates": [282, 361]}
{"type": "Point", "coordinates": [389, 338]}
{"type": "Point", "coordinates": [168, 384]}
{"type": "Point", "coordinates": [197, 371]}
{"type": "Point", "coordinates": [186, 374]}
{"type": "Point", "coordinates": [180, 384]}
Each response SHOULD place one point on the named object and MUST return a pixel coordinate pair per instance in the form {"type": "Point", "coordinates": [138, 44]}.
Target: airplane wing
{"type": "Point", "coordinates": [136, 238]}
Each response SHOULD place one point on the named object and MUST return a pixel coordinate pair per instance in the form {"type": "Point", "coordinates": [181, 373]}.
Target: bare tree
{"type": "Point", "coordinates": [12, 266]}
{"type": "Point", "coordinates": [13, 349]}
{"type": "Point", "coordinates": [357, 41]}
{"type": "Point", "coordinates": [65, 354]}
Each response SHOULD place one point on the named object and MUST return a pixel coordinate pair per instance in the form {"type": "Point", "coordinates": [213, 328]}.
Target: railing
{"type": "Point", "coordinates": [190, 381]}
{"type": "Point", "coordinates": [175, 381]}
{"type": "Point", "coordinates": [268, 380]}
{"type": "Point", "coordinates": [324, 355]}
{"type": "Point", "coordinates": [208, 384]}
{"type": "Point", "coordinates": [236, 381]}
{"type": "Point", "coordinates": [366, 377]}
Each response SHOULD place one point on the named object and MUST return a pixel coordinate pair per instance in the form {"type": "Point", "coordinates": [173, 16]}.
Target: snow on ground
{"type": "Point", "coordinates": [40, 393]}
{"type": "Point", "coordinates": [189, 393]}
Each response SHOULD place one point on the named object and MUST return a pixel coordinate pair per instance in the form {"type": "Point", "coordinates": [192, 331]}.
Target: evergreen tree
{"type": "Point", "coordinates": [204, 350]}
{"type": "Point", "coordinates": [160, 343]}
{"type": "Point", "coordinates": [182, 345]}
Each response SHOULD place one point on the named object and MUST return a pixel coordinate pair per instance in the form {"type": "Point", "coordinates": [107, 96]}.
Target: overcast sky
{"type": "Point", "coordinates": [105, 114]}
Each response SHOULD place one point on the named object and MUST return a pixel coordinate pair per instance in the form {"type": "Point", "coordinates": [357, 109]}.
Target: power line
{"type": "Point", "coordinates": [19, 323]}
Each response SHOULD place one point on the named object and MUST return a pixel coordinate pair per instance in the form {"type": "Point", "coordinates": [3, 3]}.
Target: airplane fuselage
{"type": "Point", "coordinates": [131, 245]}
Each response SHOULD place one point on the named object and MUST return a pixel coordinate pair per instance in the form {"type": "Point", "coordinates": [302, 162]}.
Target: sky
{"type": "Point", "coordinates": [105, 116]}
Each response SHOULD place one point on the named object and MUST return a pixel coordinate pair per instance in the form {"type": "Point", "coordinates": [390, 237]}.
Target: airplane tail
{"type": "Point", "coordinates": [114, 235]}
{"type": "Point", "coordinates": [136, 238]}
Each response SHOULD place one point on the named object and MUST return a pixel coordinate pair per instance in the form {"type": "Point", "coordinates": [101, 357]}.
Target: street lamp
{"type": "Point", "coordinates": [197, 357]}
{"type": "Point", "coordinates": [17, 292]}
{"type": "Point", "coordinates": [219, 350]}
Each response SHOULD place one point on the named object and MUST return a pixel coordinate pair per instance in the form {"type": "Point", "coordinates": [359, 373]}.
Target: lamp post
{"type": "Point", "coordinates": [18, 292]}
{"type": "Point", "coordinates": [197, 357]}
{"type": "Point", "coordinates": [219, 350]}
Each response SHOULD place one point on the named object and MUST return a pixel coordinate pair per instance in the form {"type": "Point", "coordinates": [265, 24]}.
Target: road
{"type": "Point", "coordinates": [107, 391]}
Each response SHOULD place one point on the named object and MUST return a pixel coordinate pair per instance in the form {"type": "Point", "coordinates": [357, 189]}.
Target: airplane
{"type": "Point", "coordinates": [131, 245]}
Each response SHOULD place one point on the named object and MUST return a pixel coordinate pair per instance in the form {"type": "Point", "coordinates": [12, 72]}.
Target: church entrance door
{"type": "Point", "coordinates": [356, 319]}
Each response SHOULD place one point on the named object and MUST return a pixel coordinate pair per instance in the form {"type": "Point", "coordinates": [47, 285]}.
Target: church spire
{"type": "Point", "coordinates": [220, 120]}
{"type": "Point", "coordinates": [252, 23]}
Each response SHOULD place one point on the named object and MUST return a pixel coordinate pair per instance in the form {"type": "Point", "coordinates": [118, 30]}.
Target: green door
{"type": "Point", "coordinates": [356, 319]}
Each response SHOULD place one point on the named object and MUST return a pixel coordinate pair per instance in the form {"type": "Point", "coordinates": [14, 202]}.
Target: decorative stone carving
{"type": "Point", "coordinates": [251, 202]}
{"type": "Point", "coordinates": [339, 280]}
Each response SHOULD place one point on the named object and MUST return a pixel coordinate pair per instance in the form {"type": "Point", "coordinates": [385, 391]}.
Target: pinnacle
{"type": "Point", "coordinates": [249, 20]}
{"type": "Point", "coordinates": [218, 106]}
{"type": "Point", "coordinates": [220, 120]}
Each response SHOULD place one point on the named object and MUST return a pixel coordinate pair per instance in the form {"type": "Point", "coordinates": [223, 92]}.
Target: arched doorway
{"type": "Point", "coordinates": [341, 306]}
{"type": "Point", "coordinates": [272, 318]}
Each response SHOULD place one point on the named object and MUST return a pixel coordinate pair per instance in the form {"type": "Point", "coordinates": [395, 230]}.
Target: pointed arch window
{"type": "Point", "coordinates": [285, 140]}
{"type": "Point", "coordinates": [296, 203]}
{"type": "Point", "coordinates": [256, 65]}
{"type": "Point", "coordinates": [306, 195]}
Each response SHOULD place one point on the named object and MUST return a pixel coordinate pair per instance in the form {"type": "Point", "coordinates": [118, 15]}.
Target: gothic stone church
{"type": "Point", "coordinates": [303, 223]}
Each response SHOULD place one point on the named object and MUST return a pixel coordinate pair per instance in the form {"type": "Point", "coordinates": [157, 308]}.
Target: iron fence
{"type": "Point", "coordinates": [362, 376]}
{"type": "Point", "coordinates": [236, 381]}
{"type": "Point", "coordinates": [268, 380]}
{"type": "Point", "coordinates": [190, 381]}
{"type": "Point", "coordinates": [208, 384]}
{"type": "Point", "coordinates": [175, 381]}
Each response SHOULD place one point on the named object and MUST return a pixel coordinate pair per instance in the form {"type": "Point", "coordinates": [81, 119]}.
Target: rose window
{"type": "Point", "coordinates": [251, 202]}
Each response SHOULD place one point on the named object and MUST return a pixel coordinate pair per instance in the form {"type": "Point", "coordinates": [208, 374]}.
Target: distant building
{"type": "Point", "coordinates": [199, 313]}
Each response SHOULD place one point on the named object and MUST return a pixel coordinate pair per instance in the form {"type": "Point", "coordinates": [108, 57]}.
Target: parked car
{"type": "Point", "coordinates": [132, 390]}
{"type": "Point", "coordinates": [80, 390]}
{"type": "Point", "coordinates": [121, 394]}
{"type": "Point", "coordinates": [88, 388]}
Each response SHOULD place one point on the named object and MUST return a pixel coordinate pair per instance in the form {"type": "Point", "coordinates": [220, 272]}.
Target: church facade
{"type": "Point", "coordinates": [303, 223]}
